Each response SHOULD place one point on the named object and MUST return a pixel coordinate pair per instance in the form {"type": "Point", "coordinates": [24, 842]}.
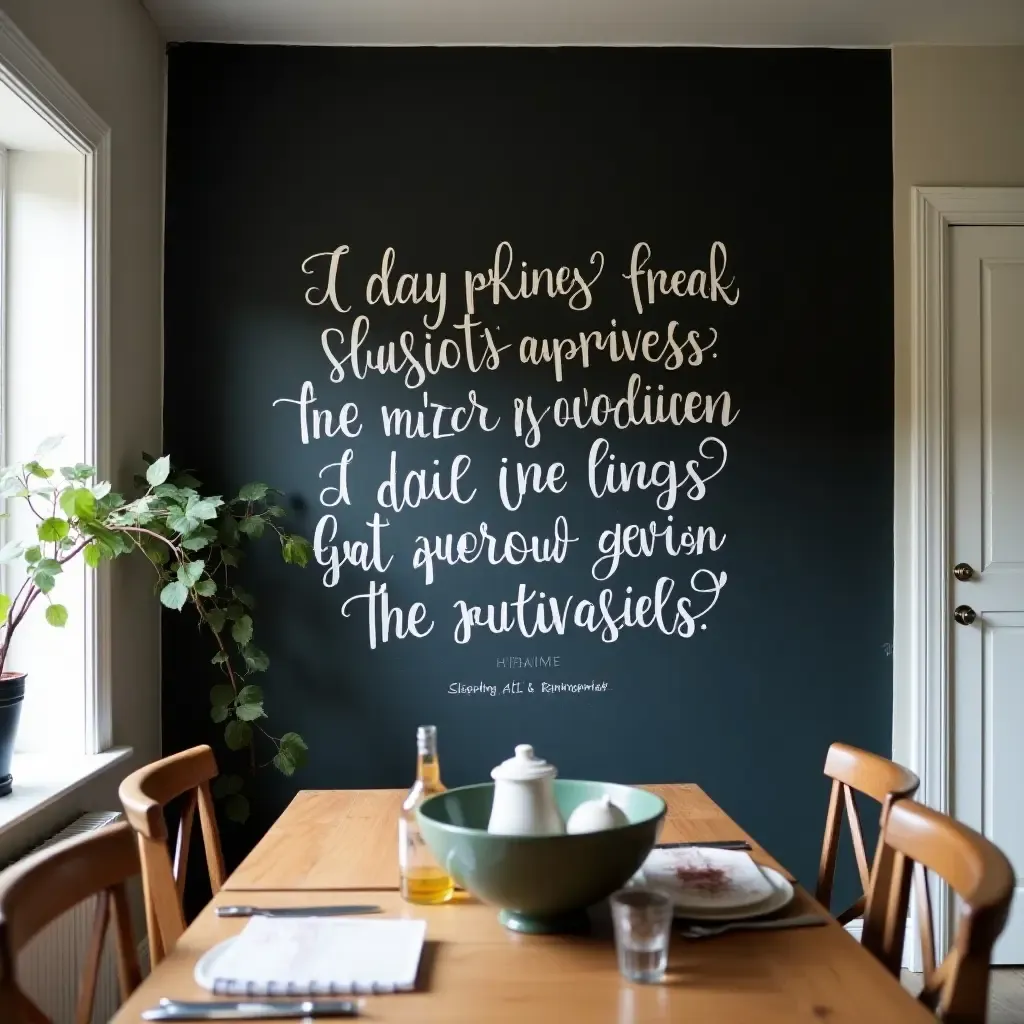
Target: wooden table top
{"type": "Point", "coordinates": [348, 839]}
{"type": "Point", "coordinates": [474, 971]}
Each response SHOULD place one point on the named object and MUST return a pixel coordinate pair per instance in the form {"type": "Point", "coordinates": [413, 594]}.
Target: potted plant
{"type": "Point", "coordinates": [194, 541]}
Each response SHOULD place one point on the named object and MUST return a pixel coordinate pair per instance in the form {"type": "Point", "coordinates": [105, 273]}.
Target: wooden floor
{"type": "Point", "coordinates": [1006, 999]}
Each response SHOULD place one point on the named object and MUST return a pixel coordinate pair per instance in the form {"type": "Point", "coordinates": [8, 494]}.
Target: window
{"type": "Point", "coordinates": [54, 167]}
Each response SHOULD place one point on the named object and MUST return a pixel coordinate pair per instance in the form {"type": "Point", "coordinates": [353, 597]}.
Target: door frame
{"type": "Point", "coordinates": [934, 211]}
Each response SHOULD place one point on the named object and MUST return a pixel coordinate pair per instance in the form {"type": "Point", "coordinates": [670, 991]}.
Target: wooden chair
{"type": "Point", "coordinates": [917, 839]}
{"type": "Point", "coordinates": [852, 769]}
{"type": "Point", "coordinates": [145, 795]}
{"type": "Point", "coordinates": [39, 888]}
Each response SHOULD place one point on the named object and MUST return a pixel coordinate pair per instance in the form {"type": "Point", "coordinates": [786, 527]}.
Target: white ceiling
{"type": "Point", "coordinates": [22, 128]}
{"type": "Point", "coordinates": [694, 22]}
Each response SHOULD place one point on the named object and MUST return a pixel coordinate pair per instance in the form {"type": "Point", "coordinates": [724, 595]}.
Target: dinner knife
{"type": "Point", "coordinates": [715, 844]}
{"type": "Point", "coordinates": [175, 1009]}
{"type": "Point", "coordinates": [337, 911]}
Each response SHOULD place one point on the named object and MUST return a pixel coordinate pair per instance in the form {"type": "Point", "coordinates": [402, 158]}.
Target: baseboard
{"type": "Point", "coordinates": [856, 928]}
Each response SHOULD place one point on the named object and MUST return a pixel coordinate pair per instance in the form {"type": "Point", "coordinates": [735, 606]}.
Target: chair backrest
{"type": "Point", "coordinates": [854, 770]}
{"type": "Point", "coordinates": [145, 795]}
{"type": "Point", "coordinates": [39, 888]}
{"type": "Point", "coordinates": [915, 840]}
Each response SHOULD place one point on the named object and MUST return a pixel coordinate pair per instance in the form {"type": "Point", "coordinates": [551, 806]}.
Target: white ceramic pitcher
{"type": "Point", "coordinates": [524, 796]}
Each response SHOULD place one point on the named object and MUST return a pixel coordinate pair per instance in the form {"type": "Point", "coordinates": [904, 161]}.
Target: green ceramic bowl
{"type": "Point", "coordinates": [541, 883]}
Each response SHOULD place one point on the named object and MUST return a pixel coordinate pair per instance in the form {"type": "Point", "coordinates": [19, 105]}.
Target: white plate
{"type": "Point", "coordinates": [782, 896]}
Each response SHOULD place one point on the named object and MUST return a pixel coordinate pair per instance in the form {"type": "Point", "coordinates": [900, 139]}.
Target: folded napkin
{"type": "Point", "coordinates": [706, 878]}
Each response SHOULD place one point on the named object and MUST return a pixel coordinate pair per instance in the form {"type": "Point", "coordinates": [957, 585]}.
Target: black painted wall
{"type": "Point", "coordinates": [784, 157]}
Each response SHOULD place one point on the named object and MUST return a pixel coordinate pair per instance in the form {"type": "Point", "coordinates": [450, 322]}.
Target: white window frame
{"type": "Point", "coordinates": [31, 76]}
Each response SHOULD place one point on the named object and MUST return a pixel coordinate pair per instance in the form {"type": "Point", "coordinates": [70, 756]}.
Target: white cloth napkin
{"type": "Point", "coordinates": [703, 877]}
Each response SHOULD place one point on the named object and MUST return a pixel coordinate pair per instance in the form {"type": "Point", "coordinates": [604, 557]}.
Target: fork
{"type": "Point", "coordinates": [702, 931]}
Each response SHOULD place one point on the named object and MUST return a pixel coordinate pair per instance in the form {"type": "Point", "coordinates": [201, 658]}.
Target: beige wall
{"type": "Point", "coordinates": [110, 52]}
{"type": "Point", "coordinates": [958, 119]}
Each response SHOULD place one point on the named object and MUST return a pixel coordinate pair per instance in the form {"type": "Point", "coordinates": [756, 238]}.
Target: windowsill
{"type": "Point", "coordinates": [41, 780]}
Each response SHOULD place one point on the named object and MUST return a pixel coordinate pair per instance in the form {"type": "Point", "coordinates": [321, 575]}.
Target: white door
{"type": "Point", "coordinates": [986, 285]}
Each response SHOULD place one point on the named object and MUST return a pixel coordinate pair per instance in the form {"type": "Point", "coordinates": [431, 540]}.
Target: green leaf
{"type": "Point", "coordinates": [252, 526]}
{"type": "Point", "coordinates": [234, 612]}
{"type": "Point", "coordinates": [227, 785]}
{"type": "Point", "coordinates": [215, 619]}
{"type": "Point", "coordinates": [179, 522]}
{"type": "Point", "coordinates": [49, 565]}
{"type": "Point", "coordinates": [157, 473]}
{"type": "Point", "coordinates": [79, 471]}
{"type": "Point", "coordinates": [203, 508]}
{"type": "Point", "coordinates": [250, 712]}
{"type": "Point", "coordinates": [228, 528]}
{"type": "Point", "coordinates": [236, 807]}
{"type": "Point", "coordinates": [231, 558]}
{"type": "Point", "coordinates": [186, 480]}
{"type": "Point", "coordinates": [85, 503]}
{"type": "Point", "coordinates": [251, 694]}
{"type": "Point", "coordinates": [52, 529]}
{"type": "Point", "coordinates": [100, 490]}
{"type": "Point", "coordinates": [33, 555]}
{"type": "Point", "coordinates": [57, 615]}
{"type": "Point", "coordinates": [241, 631]}
{"type": "Point", "coordinates": [93, 555]}
{"type": "Point", "coordinates": [243, 597]}
{"type": "Point", "coordinates": [174, 595]}
{"type": "Point", "coordinates": [78, 503]}
{"type": "Point", "coordinates": [34, 469]}
{"type": "Point", "coordinates": [189, 572]}
{"type": "Point", "coordinates": [11, 550]}
{"type": "Point", "coordinates": [253, 492]}
{"type": "Point", "coordinates": [219, 658]}
{"type": "Point", "coordinates": [168, 491]}
{"type": "Point", "coordinates": [237, 735]}
{"type": "Point", "coordinates": [296, 747]}
{"type": "Point", "coordinates": [156, 552]}
{"type": "Point", "coordinates": [5, 606]}
{"type": "Point", "coordinates": [255, 659]}
{"type": "Point", "coordinates": [296, 550]}
{"type": "Point", "coordinates": [206, 588]}
{"type": "Point", "coordinates": [275, 511]}
{"type": "Point", "coordinates": [44, 581]}
{"type": "Point", "coordinates": [293, 753]}
{"type": "Point", "coordinates": [222, 695]}
{"type": "Point", "coordinates": [199, 539]}
{"type": "Point", "coordinates": [219, 714]}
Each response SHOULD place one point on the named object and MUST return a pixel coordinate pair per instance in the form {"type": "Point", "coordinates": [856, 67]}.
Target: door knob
{"type": "Point", "coordinates": [963, 572]}
{"type": "Point", "coordinates": [964, 614]}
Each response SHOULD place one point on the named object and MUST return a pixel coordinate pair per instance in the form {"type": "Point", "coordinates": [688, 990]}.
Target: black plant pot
{"type": "Point", "coordinates": [12, 693]}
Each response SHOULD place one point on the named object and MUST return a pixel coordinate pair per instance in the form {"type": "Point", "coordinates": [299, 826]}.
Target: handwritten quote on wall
{"type": "Point", "coordinates": [455, 329]}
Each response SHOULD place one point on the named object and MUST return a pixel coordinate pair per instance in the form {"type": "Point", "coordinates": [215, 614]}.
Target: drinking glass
{"type": "Point", "coordinates": [643, 923]}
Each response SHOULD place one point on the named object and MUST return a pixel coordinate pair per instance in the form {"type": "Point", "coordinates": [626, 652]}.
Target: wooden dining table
{"type": "Point", "coordinates": [475, 971]}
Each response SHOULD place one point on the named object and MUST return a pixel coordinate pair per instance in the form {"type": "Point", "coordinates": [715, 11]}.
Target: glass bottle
{"type": "Point", "coordinates": [422, 879]}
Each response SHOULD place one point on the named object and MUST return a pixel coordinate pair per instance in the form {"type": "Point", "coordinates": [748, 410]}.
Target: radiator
{"type": "Point", "coordinates": [50, 966]}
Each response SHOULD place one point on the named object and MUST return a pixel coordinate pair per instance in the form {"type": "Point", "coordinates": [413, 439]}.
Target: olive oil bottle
{"type": "Point", "coordinates": [422, 879]}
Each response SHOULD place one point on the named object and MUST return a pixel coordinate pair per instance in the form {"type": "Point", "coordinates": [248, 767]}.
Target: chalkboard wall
{"type": "Point", "coordinates": [638, 306]}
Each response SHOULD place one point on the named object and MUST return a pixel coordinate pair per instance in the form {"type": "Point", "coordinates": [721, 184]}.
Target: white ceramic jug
{"type": "Point", "coordinates": [524, 796]}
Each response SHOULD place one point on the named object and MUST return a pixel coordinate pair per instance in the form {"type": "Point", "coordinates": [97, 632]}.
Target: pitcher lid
{"type": "Point", "coordinates": [524, 766]}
